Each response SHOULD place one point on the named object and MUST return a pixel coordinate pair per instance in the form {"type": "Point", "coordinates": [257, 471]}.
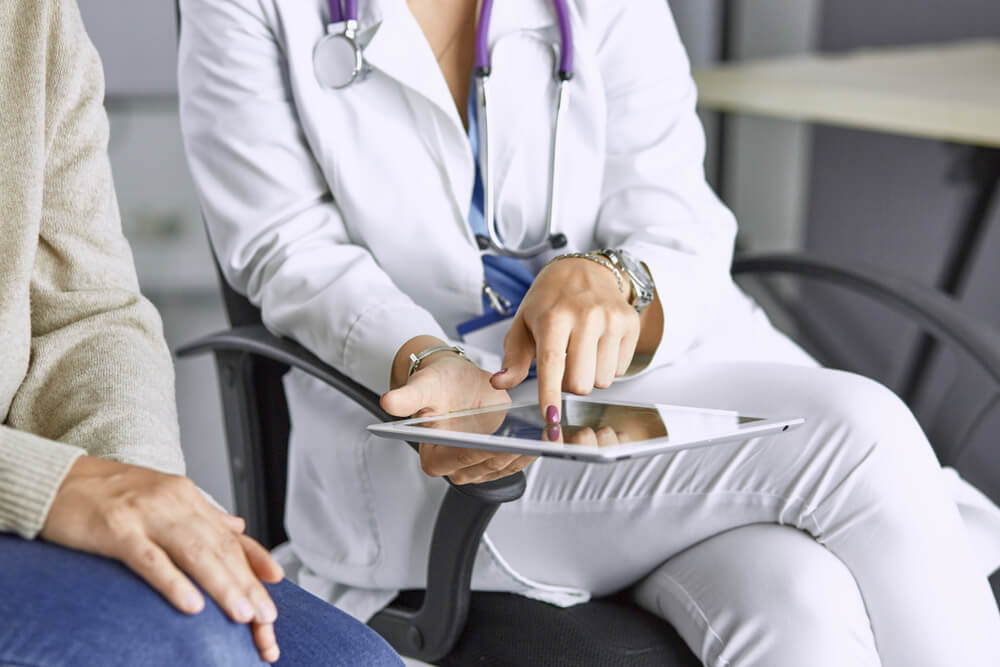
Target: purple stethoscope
{"type": "Point", "coordinates": [339, 61]}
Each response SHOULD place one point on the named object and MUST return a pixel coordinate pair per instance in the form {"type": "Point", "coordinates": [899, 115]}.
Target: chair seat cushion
{"type": "Point", "coordinates": [506, 630]}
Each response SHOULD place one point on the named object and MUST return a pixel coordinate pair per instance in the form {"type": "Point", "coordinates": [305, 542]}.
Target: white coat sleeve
{"type": "Point", "coordinates": [276, 230]}
{"type": "Point", "coordinates": [656, 202]}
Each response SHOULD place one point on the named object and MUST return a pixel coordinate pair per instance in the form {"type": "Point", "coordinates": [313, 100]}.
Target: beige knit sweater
{"type": "Point", "coordinates": [83, 364]}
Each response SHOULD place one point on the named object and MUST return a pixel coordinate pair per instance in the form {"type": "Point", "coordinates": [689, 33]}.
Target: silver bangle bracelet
{"type": "Point", "coordinates": [415, 359]}
{"type": "Point", "coordinates": [594, 257]}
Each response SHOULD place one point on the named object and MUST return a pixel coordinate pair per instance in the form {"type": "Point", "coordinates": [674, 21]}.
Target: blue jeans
{"type": "Point", "coordinates": [64, 607]}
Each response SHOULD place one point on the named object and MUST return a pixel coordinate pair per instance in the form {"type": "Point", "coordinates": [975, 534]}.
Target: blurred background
{"type": "Point", "coordinates": [864, 196]}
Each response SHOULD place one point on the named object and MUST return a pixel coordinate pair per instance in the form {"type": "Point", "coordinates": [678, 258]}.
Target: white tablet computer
{"type": "Point", "coordinates": [590, 430]}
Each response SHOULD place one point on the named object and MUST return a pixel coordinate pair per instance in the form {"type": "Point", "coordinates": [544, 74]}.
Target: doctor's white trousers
{"type": "Point", "coordinates": [881, 556]}
{"type": "Point", "coordinates": [872, 551]}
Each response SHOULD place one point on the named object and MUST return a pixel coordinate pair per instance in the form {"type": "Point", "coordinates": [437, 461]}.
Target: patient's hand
{"type": "Point", "coordinates": [162, 527]}
{"type": "Point", "coordinates": [444, 383]}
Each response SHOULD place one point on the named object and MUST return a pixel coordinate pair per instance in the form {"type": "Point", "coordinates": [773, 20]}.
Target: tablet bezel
{"type": "Point", "coordinates": [406, 429]}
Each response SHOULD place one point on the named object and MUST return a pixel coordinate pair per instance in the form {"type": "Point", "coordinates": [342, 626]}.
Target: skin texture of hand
{"type": "Point", "coordinates": [577, 326]}
{"type": "Point", "coordinates": [444, 383]}
{"type": "Point", "coordinates": [162, 527]}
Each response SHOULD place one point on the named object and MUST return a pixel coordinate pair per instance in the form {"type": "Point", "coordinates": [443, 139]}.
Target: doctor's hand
{"type": "Point", "coordinates": [446, 382]}
{"type": "Point", "coordinates": [164, 530]}
{"type": "Point", "coordinates": [578, 327]}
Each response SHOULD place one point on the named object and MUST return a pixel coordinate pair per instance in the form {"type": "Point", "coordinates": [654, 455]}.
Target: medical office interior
{"type": "Point", "coordinates": [920, 206]}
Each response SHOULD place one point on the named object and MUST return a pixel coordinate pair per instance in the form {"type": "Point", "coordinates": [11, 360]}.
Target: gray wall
{"type": "Point", "coordinates": [891, 201]}
{"type": "Point", "coordinates": [896, 202]}
{"type": "Point", "coordinates": [137, 41]}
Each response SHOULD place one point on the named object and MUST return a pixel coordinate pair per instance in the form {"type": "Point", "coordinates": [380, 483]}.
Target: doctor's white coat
{"type": "Point", "coordinates": [342, 214]}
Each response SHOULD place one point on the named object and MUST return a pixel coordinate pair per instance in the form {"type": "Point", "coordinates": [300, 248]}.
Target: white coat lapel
{"type": "Point", "coordinates": [400, 50]}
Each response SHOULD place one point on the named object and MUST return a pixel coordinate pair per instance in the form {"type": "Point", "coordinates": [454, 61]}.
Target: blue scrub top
{"type": "Point", "coordinates": [509, 277]}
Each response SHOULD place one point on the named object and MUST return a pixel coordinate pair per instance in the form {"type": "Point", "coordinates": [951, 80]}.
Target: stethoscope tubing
{"type": "Point", "coordinates": [482, 62]}
{"type": "Point", "coordinates": [345, 12]}
{"type": "Point", "coordinates": [493, 243]}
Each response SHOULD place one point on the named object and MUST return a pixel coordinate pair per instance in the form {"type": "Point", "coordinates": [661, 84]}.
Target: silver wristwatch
{"type": "Point", "coordinates": [643, 288]}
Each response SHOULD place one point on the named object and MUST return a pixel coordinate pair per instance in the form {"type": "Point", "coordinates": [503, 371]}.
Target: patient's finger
{"type": "Point", "coordinates": [261, 561]}
{"type": "Point", "coordinates": [151, 562]}
{"type": "Point", "coordinates": [231, 521]}
{"type": "Point", "coordinates": [267, 645]}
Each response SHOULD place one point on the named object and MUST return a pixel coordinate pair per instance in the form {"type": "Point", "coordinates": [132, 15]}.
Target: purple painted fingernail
{"type": "Point", "coordinates": [500, 372]}
{"type": "Point", "coordinates": [552, 414]}
{"type": "Point", "coordinates": [552, 433]}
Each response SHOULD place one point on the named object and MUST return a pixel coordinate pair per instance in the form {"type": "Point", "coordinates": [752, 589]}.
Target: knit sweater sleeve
{"type": "Point", "coordinates": [100, 378]}
{"type": "Point", "coordinates": [31, 469]}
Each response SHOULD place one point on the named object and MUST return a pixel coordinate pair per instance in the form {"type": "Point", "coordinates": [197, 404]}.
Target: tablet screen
{"type": "Point", "coordinates": [593, 423]}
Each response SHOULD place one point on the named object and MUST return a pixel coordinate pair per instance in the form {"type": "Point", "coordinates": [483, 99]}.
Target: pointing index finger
{"type": "Point", "coordinates": [550, 359]}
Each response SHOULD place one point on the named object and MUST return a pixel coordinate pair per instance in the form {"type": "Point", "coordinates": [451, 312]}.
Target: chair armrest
{"type": "Point", "coordinates": [258, 341]}
{"type": "Point", "coordinates": [431, 631]}
{"type": "Point", "coordinates": [938, 313]}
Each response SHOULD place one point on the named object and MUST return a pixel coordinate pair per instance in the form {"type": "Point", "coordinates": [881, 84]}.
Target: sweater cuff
{"type": "Point", "coordinates": [32, 469]}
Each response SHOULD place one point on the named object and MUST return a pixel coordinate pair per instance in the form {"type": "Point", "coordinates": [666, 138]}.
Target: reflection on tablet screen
{"type": "Point", "coordinates": [591, 423]}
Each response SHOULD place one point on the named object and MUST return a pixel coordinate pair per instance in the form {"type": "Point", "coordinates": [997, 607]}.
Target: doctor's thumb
{"type": "Point", "coordinates": [404, 401]}
{"type": "Point", "coordinates": [518, 353]}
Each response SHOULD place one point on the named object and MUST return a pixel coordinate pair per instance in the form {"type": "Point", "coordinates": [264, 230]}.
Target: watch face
{"type": "Point", "coordinates": [643, 288]}
{"type": "Point", "coordinates": [637, 271]}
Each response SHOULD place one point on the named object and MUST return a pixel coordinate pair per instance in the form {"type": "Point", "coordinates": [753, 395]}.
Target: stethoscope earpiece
{"type": "Point", "coordinates": [558, 240]}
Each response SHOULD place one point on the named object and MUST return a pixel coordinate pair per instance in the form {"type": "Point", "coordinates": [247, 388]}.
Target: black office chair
{"type": "Point", "coordinates": [446, 624]}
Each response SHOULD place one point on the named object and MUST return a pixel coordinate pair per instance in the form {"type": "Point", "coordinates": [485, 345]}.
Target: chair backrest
{"type": "Point", "coordinates": [256, 415]}
{"type": "Point", "coordinates": [257, 427]}
{"type": "Point", "coordinates": [239, 310]}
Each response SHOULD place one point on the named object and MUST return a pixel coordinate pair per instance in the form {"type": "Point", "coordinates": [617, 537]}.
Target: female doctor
{"type": "Point", "coordinates": [385, 178]}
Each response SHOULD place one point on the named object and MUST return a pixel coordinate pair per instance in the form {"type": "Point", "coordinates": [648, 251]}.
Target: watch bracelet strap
{"type": "Point", "coordinates": [415, 359]}
{"type": "Point", "coordinates": [637, 291]}
{"type": "Point", "coordinates": [594, 257]}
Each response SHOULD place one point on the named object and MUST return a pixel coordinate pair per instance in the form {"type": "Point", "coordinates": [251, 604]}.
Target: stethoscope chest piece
{"type": "Point", "coordinates": [337, 57]}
